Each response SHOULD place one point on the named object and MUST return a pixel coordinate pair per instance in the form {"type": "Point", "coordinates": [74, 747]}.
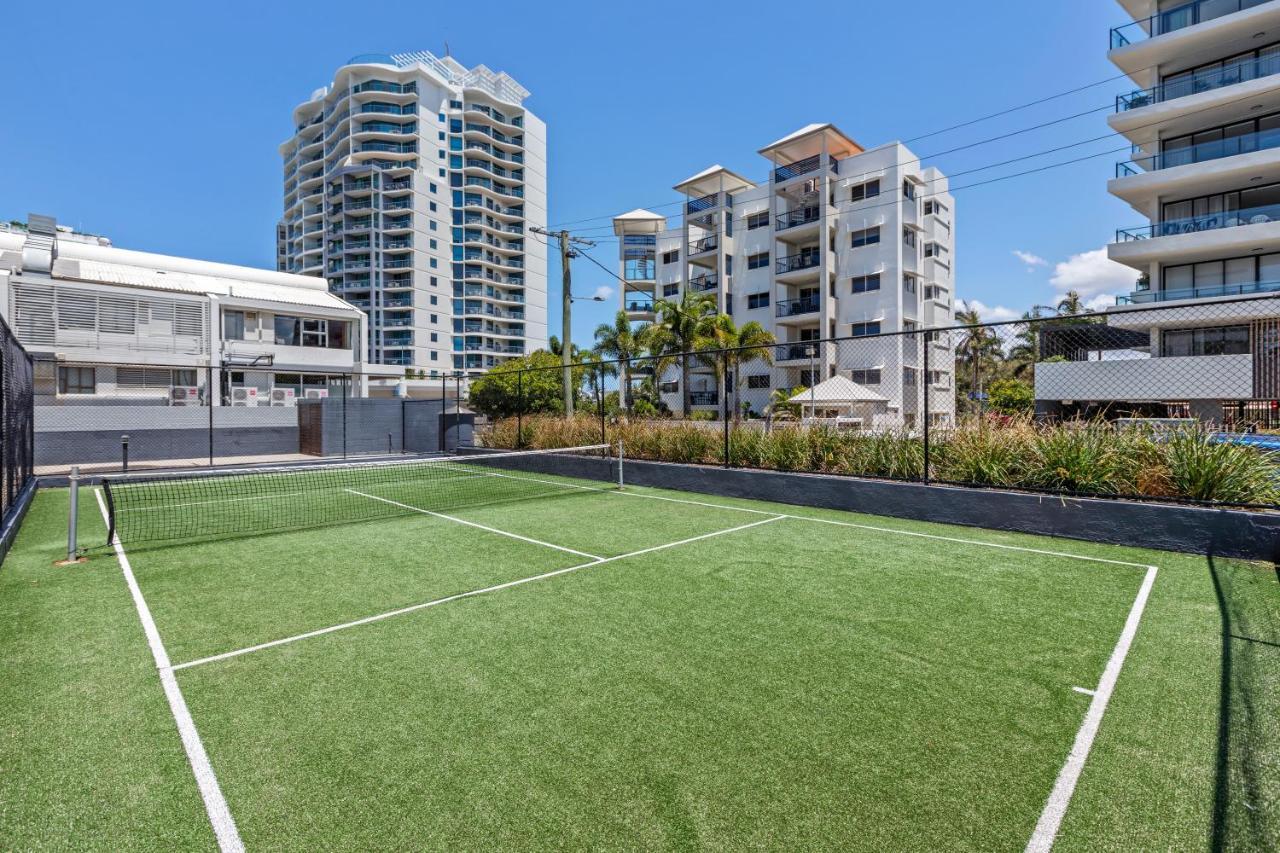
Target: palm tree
{"type": "Point", "coordinates": [1070, 306]}
{"type": "Point", "coordinates": [979, 348]}
{"type": "Point", "coordinates": [738, 348]}
{"type": "Point", "coordinates": [553, 344]}
{"type": "Point", "coordinates": [620, 341]}
{"type": "Point", "coordinates": [681, 328]}
{"type": "Point", "coordinates": [597, 368]}
{"type": "Point", "coordinates": [1023, 354]}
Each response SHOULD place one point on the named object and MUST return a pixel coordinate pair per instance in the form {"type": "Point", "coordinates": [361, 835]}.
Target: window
{"type": "Point", "coordinates": [237, 324]}
{"type": "Point", "coordinates": [759, 261]}
{"type": "Point", "coordinates": [909, 376]}
{"type": "Point", "coordinates": [869, 376]}
{"type": "Point", "coordinates": [670, 289]}
{"type": "Point", "coordinates": [861, 329]}
{"type": "Point", "coordinates": [866, 237]}
{"type": "Point", "coordinates": [757, 300]}
{"type": "Point", "coordinates": [760, 380]}
{"type": "Point", "coordinates": [1223, 340]}
{"type": "Point", "coordinates": [435, 318]}
{"type": "Point", "coordinates": [908, 189]}
{"type": "Point", "coordinates": [434, 300]}
{"type": "Point", "coordinates": [435, 355]}
{"type": "Point", "coordinates": [908, 237]}
{"type": "Point", "coordinates": [315, 333]}
{"type": "Point", "coordinates": [639, 240]}
{"type": "Point", "coordinates": [728, 264]}
{"type": "Point", "coordinates": [671, 257]}
{"type": "Point", "coordinates": [757, 220]}
{"type": "Point", "coordinates": [870, 189]}
{"type": "Point", "coordinates": [865, 283]}
{"type": "Point", "coordinates": [908, 284]}
{"type": "Point", "coordinates": [288, 330]}
{"type": "Point", "coordinates": [76, 380]}
{"type": "Point", "coordinates": [935, 250]}
{"type": "Point", "coordinates": [435, 338]}
{"type": "Point", "coordinates": [934, 207]}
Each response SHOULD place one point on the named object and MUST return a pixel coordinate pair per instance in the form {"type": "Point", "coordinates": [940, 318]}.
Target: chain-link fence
{"type": "Point", "coordinates": [16, 423]}
{"type": "Point", "coordinates": [105, 417]}
{"type": "Point", "coordinates": [1172, 402]}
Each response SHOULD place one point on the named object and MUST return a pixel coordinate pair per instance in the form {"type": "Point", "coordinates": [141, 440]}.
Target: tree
{"type": "Point", "coordinates": [1023, 354]}
{"type": "Point", "coordinates": [740, 347]}
{"type": "Point", "coordinates": [979, 351]}
{"type": "Point", "coordinates": [530, 385]}
{"type": "Point", "coordinates": [780, 402]}
{"type": "Point", "coordinates": [1011, 396]}
{"type": "Point", "coordinates": [1071, 306]}
{"type": "Point", "coordinates": [681, 328]}
{"type": "Point", "coordinates": [620, 341]}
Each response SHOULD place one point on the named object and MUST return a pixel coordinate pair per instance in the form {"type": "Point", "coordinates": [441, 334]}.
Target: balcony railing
{"type": "Point", "coordinates": [791, 263]}
{"type": "Point", "coordinates": [1205, 81]}
{"type": "Point", "coordinates": [707, 202]}
{"type": "Point", "coordinates": [393, 147]}
{"type": "Point", "coordinates": [1177, 18]}
{"type": "Point", "coordinates": [803, 167]}
{"type": "Point", "coordinates": [792, 307]}
{"type": "Point", "coordinates": [1196, 224]}
{"type": "Point", "coordinates": [706, 244]}
{"type": "Point", "coordinates": [640, 305]}
{"type": "Point", "coordinates": [800, 216]}
{"type": "Point", "coordinates": [1244, 289]}
{"type": "Point", "coordinates": [704, 398]}
{"type": "Point", "coordinates": [796, 352]}
{"type": "Point", "coordinates": [1260, 141]}
{"type": "Point", "coordinates": [703, 283]}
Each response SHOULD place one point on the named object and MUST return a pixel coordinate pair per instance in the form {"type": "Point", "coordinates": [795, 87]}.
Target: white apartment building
{"type": "Point", "coordinates": [1204, 121]}
{"type": "Point", "coordinates": [109, 325]}
{"type": "Point", "coordinates": [836, 241]}
{"type": "Point", "coordinates": [409, 184]}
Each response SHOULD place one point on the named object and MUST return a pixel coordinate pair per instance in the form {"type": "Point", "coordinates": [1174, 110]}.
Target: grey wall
{"type": "Point", "coordinates": [413, 425]}
{"type": "Point", "coordinates": [1167, 527]}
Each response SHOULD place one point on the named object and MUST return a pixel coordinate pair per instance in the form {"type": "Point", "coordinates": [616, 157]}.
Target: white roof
{"type": "Point", "coordinates": [110, 265]}
{"type": "Point", "coordinates": [639, 214]}
{"type": "Point", "coordinates": [711, 171]}
{"type": "Point", "coordinates": [838, 390]}
{"type": "Point", "coordinates": [804, 131]}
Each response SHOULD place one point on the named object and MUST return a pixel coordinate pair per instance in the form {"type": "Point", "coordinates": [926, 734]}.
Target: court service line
{"type": "Point", "coordinates": [1060, 797]}
{"type": "Point", "coordinates": [934, 536]}
{"type": "Point", "coordinates": [478, 526]}
{"type": "Point", "coordinates": [215, 805]}
{"type": "Point", "coordinates": [475, 592]}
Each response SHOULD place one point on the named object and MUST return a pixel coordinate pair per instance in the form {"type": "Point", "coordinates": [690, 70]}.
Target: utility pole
{"type": "Point", "coordinates": [567, 253]}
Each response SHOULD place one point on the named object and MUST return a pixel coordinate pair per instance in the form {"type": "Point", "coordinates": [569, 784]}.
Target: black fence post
{"type": "Point", "coordinates": [444, 408]}
{"type": "Point", "coordinates": [604, 434]}
{"type": "Point", "coordinates": [346, 392]}
{"type": "Point", "coordinates": [924, 416]}
{"type": "Point", "coordinates": [457, 411]}
{"type": "Point", "coordinates": [519, 408]}
{"type": "Point", "coordinates": [208, 399]}
{"type": "Point", "coordinates": [124, 454]}
{"type": "Point", "coordinates": [724, 401]}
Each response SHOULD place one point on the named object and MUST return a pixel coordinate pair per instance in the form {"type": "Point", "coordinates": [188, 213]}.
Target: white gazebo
{"type": "Point", "coordinates": [841, 402]}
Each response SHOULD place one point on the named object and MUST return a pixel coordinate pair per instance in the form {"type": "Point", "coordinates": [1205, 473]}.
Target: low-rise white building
{"type": "Point", "coordinates": [838, 242]}
{"type": "Point", "coordinates": [109, 325]}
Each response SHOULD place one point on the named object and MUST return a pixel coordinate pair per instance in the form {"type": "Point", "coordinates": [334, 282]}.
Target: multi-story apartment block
{"type": "Point", "coordinates": [108, 325]}
{"type": "Point", "coordinates": [1204, 319]}
{"type": "Point", "coordinates": [409, 184]}
{"type": "Point", "coordinates": [837, 241]}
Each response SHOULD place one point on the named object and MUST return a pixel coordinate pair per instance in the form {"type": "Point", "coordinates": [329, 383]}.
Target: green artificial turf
{"type": "Point", "coordinates": [793, 684]}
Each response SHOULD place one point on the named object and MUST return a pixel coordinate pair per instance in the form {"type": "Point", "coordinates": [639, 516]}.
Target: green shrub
{"type": "Point", "coordinates": [1204, 469]}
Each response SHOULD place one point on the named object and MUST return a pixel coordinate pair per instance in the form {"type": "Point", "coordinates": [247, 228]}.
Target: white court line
{"type": "Point", "coordinates": [599, 561]}
{"type": "Point", "coordinates": [934, 536]}
{"type": "Point", "coordinates": [479, 526]}
{"type": "Point", "coordinates": [1056, 807]}
{"type": "Point", "coordinates": [224, 825]}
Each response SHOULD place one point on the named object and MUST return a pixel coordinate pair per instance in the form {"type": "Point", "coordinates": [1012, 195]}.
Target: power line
{"type": "Point", "coordinates": [969, 123]}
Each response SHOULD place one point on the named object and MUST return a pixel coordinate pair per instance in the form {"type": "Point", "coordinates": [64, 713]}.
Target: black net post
{"type": "Point", "coordinates": [457, 411]}
{"type": "Point", "coordinates": [924, 413]}
{"type": "Point", "coordinates": [519, 408]}
{"type": "Point", "coordinates": [724, 401]}
{"type": "Point", "coordinates": [346, 392]}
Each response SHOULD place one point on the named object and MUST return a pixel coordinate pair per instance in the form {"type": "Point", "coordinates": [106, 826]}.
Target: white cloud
{"type": "Point", "coordinates": [992, 313]}
{"type": "Point", "coordinates": [604, 291]}
{"type": "Point", "coordinates": [1092, 275]}
{"type": "Point", "coordinates": [1032, 261]}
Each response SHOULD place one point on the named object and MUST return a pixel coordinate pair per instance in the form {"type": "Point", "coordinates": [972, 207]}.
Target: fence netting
{"type": "Point", "coordinates": [1172, 402]}
{"type": "Point", "coordinates": [16, 430]}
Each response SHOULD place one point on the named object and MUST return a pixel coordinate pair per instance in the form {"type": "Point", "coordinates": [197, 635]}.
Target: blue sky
{"type": "Point", "coordinates": [157, 124]}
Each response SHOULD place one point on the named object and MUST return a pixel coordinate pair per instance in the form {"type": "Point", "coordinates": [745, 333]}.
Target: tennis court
{"type": "Point", "coordinates": [477, 656]}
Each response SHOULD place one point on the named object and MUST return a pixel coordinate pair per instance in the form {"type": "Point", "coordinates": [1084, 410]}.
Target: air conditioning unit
{"type": "Point", "coordinates": [317, 393]}
{"type": "Point", "coordinates": [184, 395]}
{"type": "Point", "coordinates": [244, 396]}
{"type": "Point", "coordinates": [282, 396]}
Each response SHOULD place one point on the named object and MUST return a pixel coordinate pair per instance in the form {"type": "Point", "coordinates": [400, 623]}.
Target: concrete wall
{"type": "Point", "coordinates": [1175, 378]}
{"type": "Point", "coordinates": [1166, 527]}
{"type": "Point", "coordinates": [381, 425]}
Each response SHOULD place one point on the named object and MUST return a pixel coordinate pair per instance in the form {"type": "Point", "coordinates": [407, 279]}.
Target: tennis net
{"type": "Point", "coordinates": [171, 506]}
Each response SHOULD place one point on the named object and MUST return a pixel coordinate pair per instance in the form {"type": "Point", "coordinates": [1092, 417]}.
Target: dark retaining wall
{"type": "Point", "coordinates": [1166, 527]}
